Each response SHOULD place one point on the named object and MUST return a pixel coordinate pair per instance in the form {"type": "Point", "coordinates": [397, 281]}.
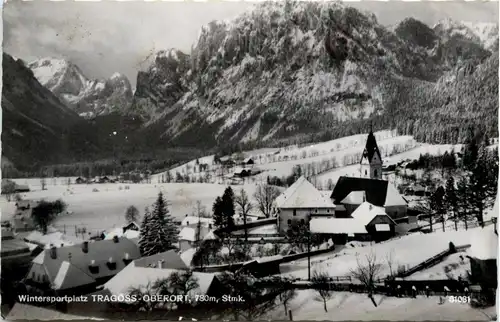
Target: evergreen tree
{"type": "Point", "coordinates": [438, 204]}
{"type": "Point", "coordinates": [451, 199]}
{"type": "Point", "coordinates": [480, 184]}
{"type": "Point", "coordinates": [159, 232]}
{"type": "Point", "coordinates": [228, 207]}
{"type": "Point", "coordinates": [470, 152]}
{"type": "Point", "coordinates": [218, 213]}
{"type": "Point", "coordinates": [463, 200]}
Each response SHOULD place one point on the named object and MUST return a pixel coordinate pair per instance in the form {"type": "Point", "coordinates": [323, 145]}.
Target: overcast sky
{"type": "Point", "coordinates": [108, 36]}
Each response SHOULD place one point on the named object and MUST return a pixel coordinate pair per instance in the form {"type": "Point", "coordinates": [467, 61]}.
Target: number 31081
{"type": "Point", "coordinates": [459, 299]}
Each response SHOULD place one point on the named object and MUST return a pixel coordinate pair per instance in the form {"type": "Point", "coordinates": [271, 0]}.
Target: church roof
{"type": "Point", "coordinates": [371, 148]}
{"type": "Point", "coordinates": [377, 192]}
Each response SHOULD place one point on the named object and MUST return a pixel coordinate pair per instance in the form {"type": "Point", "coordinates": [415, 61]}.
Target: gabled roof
{"type": "Point", "coordinates": [371, 148]}
{"type": "Point", "coordinates": [70, 276]}
{"type": "Point", "coordinates": [171, 260]}
{"type": "Point", "coordinates": [193, 220]}
{"type": "Point", "coordinates": [366, 212]}
{"type": "Point", "coordinates": [98, 251]}
{"type": "Point", "coordinates": [136, 277]}
{"type": "Point", "coordinates": [336, 226]}
{"type": "Point", "coordinates": [189, 233]}
{"type": "Point", "coordinates": [187, 256]}
{"type": "Point", "coordinates": [354, 198]}
{"type": "Point", "coordinates": [377, 191]}
{"type": "Point", "coordinates": [302, 194]}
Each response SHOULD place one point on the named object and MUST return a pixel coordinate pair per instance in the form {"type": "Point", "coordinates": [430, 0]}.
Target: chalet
{"type": "Point", "coordinates": [134, 276]}
{"type": "Point", "coordinates": [376, 221]}
{"type": "Point", "coordinates": [248, 161]}
{"type": "Point", "coordinates": [241, 173]}
{"type": "Point", "coordinates": [300, 202]}
{"type": "Point", "coordinates": [80, 180]}
{"type": "Point", "coordinates": [104, 179]}
{"type": "Point", "coordinates": [129, 231]}
{"type": "Point", "coordinates": [189, 236]}
{"type": "Point", "coordinates": [79, 269]}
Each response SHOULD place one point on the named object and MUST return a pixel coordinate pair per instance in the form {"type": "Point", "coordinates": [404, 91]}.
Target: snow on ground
{"type": "Point", "coordinates": [351, 306]}
{"type": "Point", "coordinates": [409, 250]}
{"type": "Point", "coordinates": [105, 209]}
{"type": "Point", "coordinates": [453, 266]}
{"type": "Point", "coordinates": [413, 154]}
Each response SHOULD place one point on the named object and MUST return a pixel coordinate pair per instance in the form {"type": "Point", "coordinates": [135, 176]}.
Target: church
{"type": "Point", "coordinates": [350, 192]}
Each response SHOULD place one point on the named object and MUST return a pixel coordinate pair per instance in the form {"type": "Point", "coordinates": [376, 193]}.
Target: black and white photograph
{"type": "Point", "coordinates": [249, 160]}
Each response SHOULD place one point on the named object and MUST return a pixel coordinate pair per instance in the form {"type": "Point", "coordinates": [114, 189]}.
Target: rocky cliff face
{"type": "Point", "coordinates": [290, 69]}
{"type": "Point", "coordinates": [87, 97]}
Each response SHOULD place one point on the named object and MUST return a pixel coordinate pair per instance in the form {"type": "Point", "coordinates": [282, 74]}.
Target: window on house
{"type": "Point", "coordinates": [375, 173]}
{"type": "Point", "coordinates": [295, 212]}
{"type": "Point", "coordinates": [366, 172]}
{"type": "Point", "coordinates": [289, 221]}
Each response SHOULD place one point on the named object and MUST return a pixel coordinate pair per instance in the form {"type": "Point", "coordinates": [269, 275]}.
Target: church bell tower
{"type": "Point", "coordinates": [371, 161]}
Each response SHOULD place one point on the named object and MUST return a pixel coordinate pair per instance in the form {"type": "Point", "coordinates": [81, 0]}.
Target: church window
{"type": "Point", "coordinates": [375, 173]}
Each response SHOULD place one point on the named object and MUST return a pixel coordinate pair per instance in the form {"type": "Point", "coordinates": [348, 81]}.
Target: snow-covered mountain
{"type": "Point", "coordinates": [288, 69]}
{"type": "Point", "coordinates": [86, 96]}
{"type": "Point", "coordinates": [482, 33]}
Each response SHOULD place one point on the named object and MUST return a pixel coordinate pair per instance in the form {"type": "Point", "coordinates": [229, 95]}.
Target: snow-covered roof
{"type": "Point", "coordinates": [118, 232]}
{"type": "Point", "coordinates": [137, 277]}
{"type": "Point", "coordinates": [393, 197]}
{"type": "Point", "coordinates": [354, 198]}
{"type": "Point", "coordinates": [56, 238]}
{"type": "Point", "coordinates": [210, 236]}
{"type": "Point", "coordinates": [187, 256]}
{"type": "Point", "coordinates": [268, 259]}
{"type": "Point", "coordinates": [192, 220]}
{"type": "Point", "coordinates": [366, 212]}
{"type": "Point", "coordinates": [336, 226]}
{"type": "Point", "coordinates": [189, 233]}
{"type": "Point", "coordinates": [302, 194]}
{"type": "Point", "coordinates": [484, 243]}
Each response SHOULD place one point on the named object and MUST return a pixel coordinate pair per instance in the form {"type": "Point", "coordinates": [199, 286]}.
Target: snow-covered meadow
{"type": "Point", "coordinates": [105, 208]}
{"type": "Point", "coordinates": [408, 250]}
{"type": "Point", "coordinates": [344, 306]}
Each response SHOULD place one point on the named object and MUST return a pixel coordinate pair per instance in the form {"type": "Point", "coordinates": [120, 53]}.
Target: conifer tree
{"type": "Point", "coordinates": [480, 184]}
{"type": "Point", "coordinates": [158, 232]}
{"type": "Point", "coordinates": [463, 200]}
{"type": "Point", "coordinates": [451, 199]}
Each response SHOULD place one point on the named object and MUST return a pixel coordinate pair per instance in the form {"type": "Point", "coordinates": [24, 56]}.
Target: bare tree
{"type": "Point", "coordinates": [368, 273]}
{"type": "Point", "coordinates": [244, 207]}
{"type": "Point", "coordinates": [389, 258]}
{"type": "Point", "coordinates": [321, 284]}
{"type": "Point", "coordinates": [8, 189]}
{"type": "Point", "coordinates": [265, 196]}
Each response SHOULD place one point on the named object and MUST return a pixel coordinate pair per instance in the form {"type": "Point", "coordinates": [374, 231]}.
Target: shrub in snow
{"type": "Point", "coordinates": [127, 187]}
{"type": "Point", "coordinates": [120, 188]}
{"type": "Point", "coordinates": [95, 190]}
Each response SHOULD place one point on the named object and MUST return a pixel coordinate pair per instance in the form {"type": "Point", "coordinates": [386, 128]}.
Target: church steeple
{"type": "Point", "coordinates": [371, 161]}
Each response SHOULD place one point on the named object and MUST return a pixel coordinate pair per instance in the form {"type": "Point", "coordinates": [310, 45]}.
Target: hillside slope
{"type": "Point", "coordinates": [294, 69]}
{"type": "Point", "coordinates": [37, 127]}
{"type": "Point", "coordinates": [85, 96]}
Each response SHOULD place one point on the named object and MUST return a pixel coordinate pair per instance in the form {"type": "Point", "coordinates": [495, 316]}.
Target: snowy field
{"type": "Point", "coordinates": [105, 209]}
{"type": "Point", "coordinates": [407, 250]}
{"type": "Point", "coordinates": [344, 306]}
{"type": "Point", "coordinates": [413, 154]}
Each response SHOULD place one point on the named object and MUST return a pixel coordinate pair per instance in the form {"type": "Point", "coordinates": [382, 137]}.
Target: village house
{"type": "Point", "coordinates": [79, 269]}
{"type": "Point", "coordinates": [130, 231]}
{"type": "Point", "coordinates": [16, 252]}
{"type": "Point", "coordinates": [134, 276]}
{"type": "Point", "coordinates": [300, 202]}
{"type": "Point", "coordinates": [190, 236]}
{"type": "Point", "coordinates": [169, 259]}
{"type": "Point", "coordinates": [80, 180]}
{"type": "Point", "coordinates": [22, 221]}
